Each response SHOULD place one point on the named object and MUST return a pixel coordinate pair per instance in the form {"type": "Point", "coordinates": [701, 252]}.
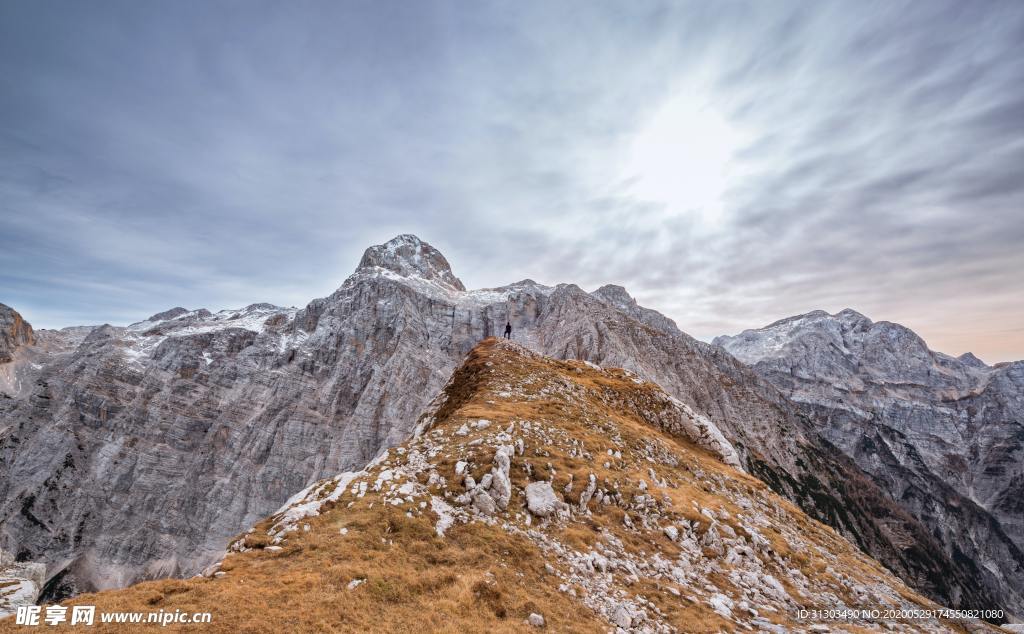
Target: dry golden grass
{"type": "Point", "coordinates": [477, 579]}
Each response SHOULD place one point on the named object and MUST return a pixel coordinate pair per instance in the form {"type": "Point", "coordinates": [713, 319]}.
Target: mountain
{"type": "Point", "coordinates": [537, 494]}
{"type": "Point", "coordinates": [137, 452]}
{"type": "Point", "coordinates": [944, 436]}
{"type": "Point", "coordinates": [15, 333]}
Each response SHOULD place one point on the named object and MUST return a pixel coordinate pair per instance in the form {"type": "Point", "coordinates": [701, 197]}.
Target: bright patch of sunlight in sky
{"type": "Point", "coordinates": [682, 158]}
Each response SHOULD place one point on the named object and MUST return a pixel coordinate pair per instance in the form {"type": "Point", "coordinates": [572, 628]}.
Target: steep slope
{"type": "Point", "coordinates": [774, 441]}
{"type": "Point", "coordinates": [943, 436]}
{"type": "Point", "coordinates": [137, 452]}
{"type": "Point", "coordinates": [15, 332]}
{"type": "Point", "coordinates": [537, 493]}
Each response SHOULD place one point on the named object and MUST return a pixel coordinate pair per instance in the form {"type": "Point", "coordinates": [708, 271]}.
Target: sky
{"type": "Point", "coordinates": [729, 163]}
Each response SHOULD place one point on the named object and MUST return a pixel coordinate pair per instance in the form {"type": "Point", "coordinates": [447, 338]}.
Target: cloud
{"type": "Point", "coordinates": [217, 155]}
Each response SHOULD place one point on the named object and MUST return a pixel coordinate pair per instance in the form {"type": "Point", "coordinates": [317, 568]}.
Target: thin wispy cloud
{"type": "Point", "coordinates": [729, 163]}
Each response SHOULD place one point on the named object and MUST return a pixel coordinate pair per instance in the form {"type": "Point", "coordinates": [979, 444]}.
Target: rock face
{"type": "Point", "coordinates": [138, 452]}
{"type": "Point", "coordinates": [943, 436]}
{"type": "Point", "coordinates": [15, 333]}
{"type": "Point", "coordinates": [402, 544]}
{"type": "Point", "coordinates": [20, 583]}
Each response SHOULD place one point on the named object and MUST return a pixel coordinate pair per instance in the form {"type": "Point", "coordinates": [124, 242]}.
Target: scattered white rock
{"type": "Point", "coordinates": [501, 484]}
{"type": "Point", "coordinates": [721, 604]}
{"type": "Point", "coordinates": [541, 499]}
{"type": "Point", "coordinates": [483, 502]}
{"type": "Point", "coordinates": [624, 616]}
{"type": "Point", "coordinates": [355, 583]}
{"type": "Point", "coordinates": [445, 515]}
{"type": "Point", "coordinates": [588, 492]}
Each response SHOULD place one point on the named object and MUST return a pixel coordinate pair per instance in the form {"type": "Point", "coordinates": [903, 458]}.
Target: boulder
{"type": "Point", "coordinates": [541, 499]}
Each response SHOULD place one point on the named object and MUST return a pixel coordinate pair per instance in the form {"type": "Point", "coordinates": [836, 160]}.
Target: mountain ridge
{"type": "Point", "coordinates": [537, 493]}
{"type": "Point", "coordinates": [227, 414]}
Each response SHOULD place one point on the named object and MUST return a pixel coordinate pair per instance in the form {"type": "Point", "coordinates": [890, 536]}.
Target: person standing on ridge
{"type": "Point", "coordinates": [508, 330]}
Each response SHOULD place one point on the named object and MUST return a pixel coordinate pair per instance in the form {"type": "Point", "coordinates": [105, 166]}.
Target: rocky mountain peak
{"type": "Point", "coordinates": [177, 311]}
{"type": "Point", "coordinates": [852, 321]}
{"type": "Point", "coordinates": [408, 256]}
{"type": "Point", "coordinates": [848, 349]}
{"type": "Point", "coordinates": [968, 358]}
{"type": "Point", "coordinates": [615, 294]}
{"type": "Point", "coordinates": [850, 315]}
{"type": "Point", "coordinates": [845, 333]}
{"type": "Point", "coordinates": [619, 298]}
{"type": "Point", "coordinates": [15, 332]}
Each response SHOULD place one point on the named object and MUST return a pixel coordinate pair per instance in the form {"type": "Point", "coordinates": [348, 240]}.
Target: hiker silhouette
{"type": "Point", "coordinates": [508, 330]}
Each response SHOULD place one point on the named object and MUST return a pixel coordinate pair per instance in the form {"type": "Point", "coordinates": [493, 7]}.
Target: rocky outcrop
{"type": "Point", "coordinates": [138, 452]}
{"type": "Point", "coordinates": [672, 539]}
{"type": "Point", "coordinates": [15, 333]}
{"type": "Point", "coordinates": [943, 436]}
{"type": "Point", "coordinates": [20, 583]}
{"type": "Point", "coordinates": [617, 297]}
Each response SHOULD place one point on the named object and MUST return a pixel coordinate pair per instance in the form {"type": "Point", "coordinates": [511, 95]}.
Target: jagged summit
{"type": "Point", "coordinates": [850, 315]}
{"type": "Point", "coordinates": [845, 316]}
{"type": "Point", "coordinates": [614, 293]}
{"type": "Point", "coordinates": [619, 298]}
{"type": "Point", "coordinates": [177, 311]}
{"type": "Point", "coordinates": [971, 360]}
{"type": "Point", "coordinates": [847, 333]}
{"type": "Point", "coordinates": [542, 494]}
{"type": "Point", "coordinates": [408, 256]}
